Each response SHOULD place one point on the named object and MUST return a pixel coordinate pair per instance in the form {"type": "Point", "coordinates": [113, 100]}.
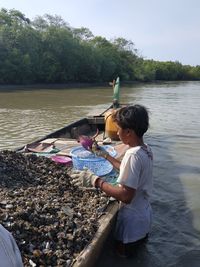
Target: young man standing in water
{"type": "Point", "coordinates": [134, 182]}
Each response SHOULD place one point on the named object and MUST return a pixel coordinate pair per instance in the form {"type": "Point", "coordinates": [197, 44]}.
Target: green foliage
{"type": "Point", "coordinates": [82, 34]}
{"type": "Point", "coordinates": [48, 50]}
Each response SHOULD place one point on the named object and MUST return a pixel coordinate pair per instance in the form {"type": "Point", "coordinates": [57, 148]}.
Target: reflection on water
{"type": "Point", "coordinates": [175, 139]}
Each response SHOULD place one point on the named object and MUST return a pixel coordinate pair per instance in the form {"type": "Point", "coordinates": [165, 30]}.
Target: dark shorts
{"type": "Point", "coordinates": [129, 249]}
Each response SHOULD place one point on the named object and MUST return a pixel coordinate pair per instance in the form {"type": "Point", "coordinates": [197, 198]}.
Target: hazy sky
{"type": "Point", "coordinates": [160, 29]}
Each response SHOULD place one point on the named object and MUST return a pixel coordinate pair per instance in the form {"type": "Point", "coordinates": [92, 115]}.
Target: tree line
{"type": "Point", "coordinates": [48, 50]}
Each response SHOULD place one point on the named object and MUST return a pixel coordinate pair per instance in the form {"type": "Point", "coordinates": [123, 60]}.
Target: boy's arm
{"type": "Point", "coordinates": [120, 192]}
{"type": "Point", "coordinates": [115, 162]}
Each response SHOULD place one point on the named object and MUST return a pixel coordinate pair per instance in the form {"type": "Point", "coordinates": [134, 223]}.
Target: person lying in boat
{"type": "Point", "coordinates": [9, 253]}
{"type": "Point", "coordinates": [134, 183]}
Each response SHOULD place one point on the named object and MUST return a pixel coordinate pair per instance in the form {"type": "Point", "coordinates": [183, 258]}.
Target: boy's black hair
{"type": "Point", "coordinates": [133, 117]}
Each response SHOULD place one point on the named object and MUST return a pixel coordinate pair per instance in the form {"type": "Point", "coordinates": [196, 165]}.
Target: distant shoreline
{"type": "Point", "coordinates": [59, 86]}
{"type": "Point", "coordinates": [72, 85]}
{"type": "Point", "coordinates": [50, 86]}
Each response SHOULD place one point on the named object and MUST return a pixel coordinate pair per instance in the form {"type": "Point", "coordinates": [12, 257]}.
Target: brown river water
{"type": "Point", "coordinates": [174, 136]}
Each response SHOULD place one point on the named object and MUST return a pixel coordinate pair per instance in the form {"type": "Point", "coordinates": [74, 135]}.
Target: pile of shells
{"type": "Point", "coordinates": [51, 219]}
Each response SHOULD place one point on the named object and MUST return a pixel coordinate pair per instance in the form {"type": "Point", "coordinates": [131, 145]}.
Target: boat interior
{"type": "Point", "coordinates": [60, 142]}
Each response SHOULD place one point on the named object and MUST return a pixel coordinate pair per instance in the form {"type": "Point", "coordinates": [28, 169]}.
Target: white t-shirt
{"type": "Point", "coordinates": [9, 253]}
{"type": "Point", "coordinates": [134, 219]}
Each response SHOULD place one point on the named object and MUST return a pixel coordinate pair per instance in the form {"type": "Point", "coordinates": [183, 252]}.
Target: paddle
{"type": "Point", "coordinates": [116, 91]}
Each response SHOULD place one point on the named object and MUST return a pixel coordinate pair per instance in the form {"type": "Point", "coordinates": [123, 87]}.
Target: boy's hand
{"type": "Point", "coordinates": [99, 151]}
{"type": "Point", "coordinates": [84, 178]}
{"type": "Point", "coordinates": [88, 178]}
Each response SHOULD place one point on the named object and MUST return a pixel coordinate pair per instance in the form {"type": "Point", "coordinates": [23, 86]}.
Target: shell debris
{"type": "Point", "coordinates": [51, 219]}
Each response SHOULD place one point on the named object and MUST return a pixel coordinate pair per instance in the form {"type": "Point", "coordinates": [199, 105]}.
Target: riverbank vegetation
{"type": "Point", "coordinates": [49, 50]}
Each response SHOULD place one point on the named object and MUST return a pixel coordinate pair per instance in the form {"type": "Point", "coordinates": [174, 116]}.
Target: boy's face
{"type": "Point", "coordinates": [123, 135]}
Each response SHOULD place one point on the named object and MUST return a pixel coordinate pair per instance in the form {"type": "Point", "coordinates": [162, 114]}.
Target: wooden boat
{"type": "Point", "coordinates": [66, 138]}
{"type": "Point", "coordinates": [62, 141]}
